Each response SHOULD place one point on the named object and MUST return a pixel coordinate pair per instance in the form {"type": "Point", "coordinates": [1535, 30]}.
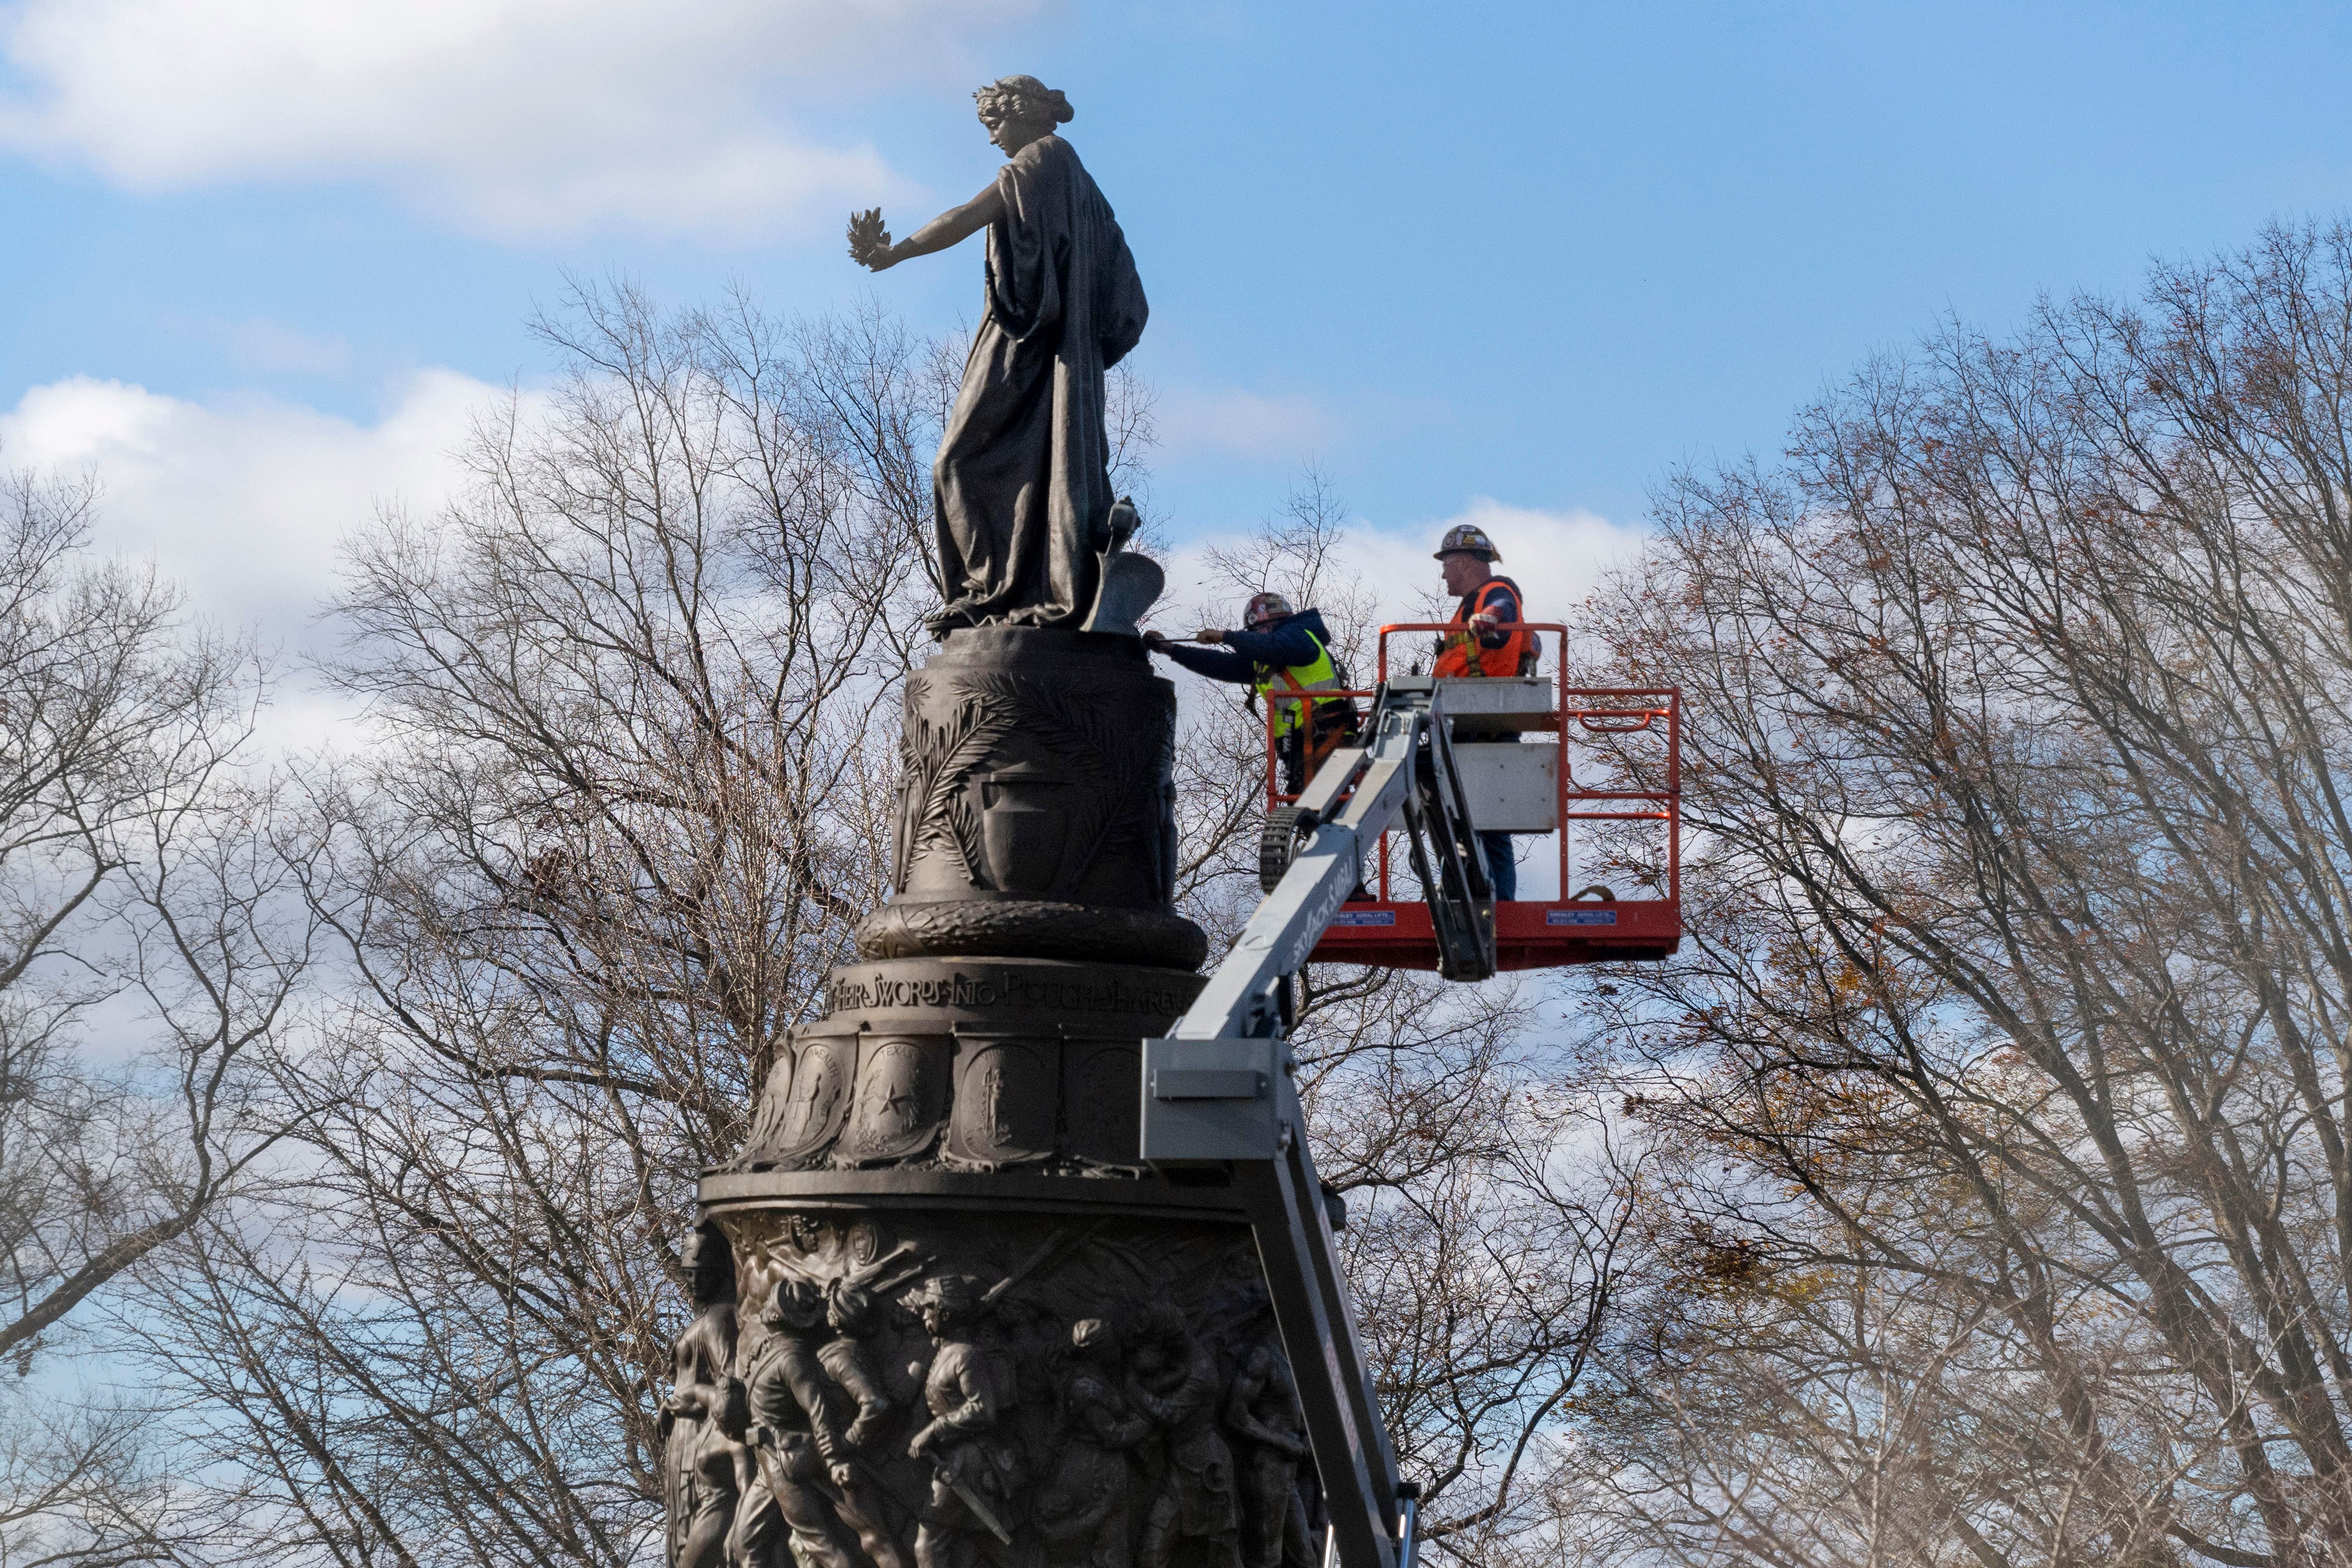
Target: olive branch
{"type": "Point", "coordinates": [868, 237]}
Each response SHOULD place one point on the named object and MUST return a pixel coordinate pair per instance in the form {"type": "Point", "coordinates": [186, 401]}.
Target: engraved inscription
{"type": "Point", "coordinates": [851, 991]}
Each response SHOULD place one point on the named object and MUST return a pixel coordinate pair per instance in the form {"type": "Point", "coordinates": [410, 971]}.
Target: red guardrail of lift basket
{"type": "Point", "coordinates": [1597, 709]}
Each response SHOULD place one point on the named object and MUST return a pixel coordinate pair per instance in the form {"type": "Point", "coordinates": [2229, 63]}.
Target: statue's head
{"type": "Point", "coordinates": [1163, 1323]}
{"type": "Point", "coordinates": [849, 1309]}
{"type": "Point", "coordinates": [946, 1301]}
{"type": "Point", "coordinates": [710, 1268]}
{"type": "Point", "coordinates": [1017, 109]}
{"type": "Point", "coordinates": [798, 1304]}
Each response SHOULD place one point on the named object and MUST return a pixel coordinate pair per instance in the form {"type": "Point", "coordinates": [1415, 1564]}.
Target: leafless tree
{"type": "Point", "coordinates": [1489, 1234]}
{"type": "Point", "coordinates": [630, 696]}
{"type": "Point", "coordinates": [1973, 1190]}
{"type": "Point", "coordinates": [632, 707]}
{"type": "Point", "coordinates": [149, 963]}
{"type": "Point", "coordinates": [2004, 1089]}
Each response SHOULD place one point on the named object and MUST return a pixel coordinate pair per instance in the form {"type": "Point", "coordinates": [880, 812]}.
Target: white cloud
{"type": "Point", "coordinates": [1230, 422]}
{"type": "Point", "coordinates": [516, 116]}
{"type": "Point", "coordinates": [245, 504]}
{"type": "Point", "coordinates": [1556, 557]}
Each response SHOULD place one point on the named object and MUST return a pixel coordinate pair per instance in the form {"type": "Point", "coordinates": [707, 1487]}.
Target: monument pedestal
{"type": "Point", "coordinates": [1036, 805]}
{"type": "Point", "coordinates": [972, 1326]}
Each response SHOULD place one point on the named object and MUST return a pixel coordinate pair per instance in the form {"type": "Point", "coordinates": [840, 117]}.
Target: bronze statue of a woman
{"type": "Point", "coordinates": [1023, 480]}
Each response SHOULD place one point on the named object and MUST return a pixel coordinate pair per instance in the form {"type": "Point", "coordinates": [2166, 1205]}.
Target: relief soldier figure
{"type": "Point", "coordinates": [1175, 1382]}
{"type": "Point", "coordinates": [853, 1315]}
{"type": "Point", "coordinates": [974, 1472]}
{"type": "Point", "coordinates": [852, 1382]}
{"type": "Point", "coordinates": [795, 1448]}
{"type": "Point", "coordinates": [699, 1482]}
{"type": "Point", "coordinates": [1270, 1444]}
{"type": "Point", "coordinates": [1163, 1431]}
{"type": "Point", "coordinates": [1082, 1513]}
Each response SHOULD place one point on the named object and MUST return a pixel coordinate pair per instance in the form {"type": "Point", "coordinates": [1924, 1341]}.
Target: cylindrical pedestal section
{"type": "Point", "coordinates": [966, 1324]}
{"type": "Point", "coordinates": [1036, 805]}
{"type": "Point", "coordinates": [969, 1064]}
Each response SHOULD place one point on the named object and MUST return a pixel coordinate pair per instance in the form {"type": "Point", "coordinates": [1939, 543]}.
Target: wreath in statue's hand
{"type": "Point", "coordinates": [868, 240]}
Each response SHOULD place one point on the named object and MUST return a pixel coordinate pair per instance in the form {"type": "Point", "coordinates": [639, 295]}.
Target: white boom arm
{"type": "Point", "coordinates": [1219, 1093]}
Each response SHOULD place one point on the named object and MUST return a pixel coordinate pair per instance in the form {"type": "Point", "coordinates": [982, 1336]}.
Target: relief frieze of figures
{"type": "Point", "coordinates": [862, 1403]}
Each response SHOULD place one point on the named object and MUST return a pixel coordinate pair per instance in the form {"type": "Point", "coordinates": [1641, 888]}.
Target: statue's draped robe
{"type": "Point", "coordinates": [1023, 480]}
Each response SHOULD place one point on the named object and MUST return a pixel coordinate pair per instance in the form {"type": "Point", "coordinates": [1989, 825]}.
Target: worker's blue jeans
{"type": "Point", "coordinates": [1502, 865]}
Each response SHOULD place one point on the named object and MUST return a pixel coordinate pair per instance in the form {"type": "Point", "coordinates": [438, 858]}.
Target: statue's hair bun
{"type": "Point", "coordinates": [1025, 98]}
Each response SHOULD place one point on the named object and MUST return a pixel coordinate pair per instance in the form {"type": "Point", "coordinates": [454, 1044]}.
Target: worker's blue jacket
{"type": "Point", "coordinates": [1246, 658]}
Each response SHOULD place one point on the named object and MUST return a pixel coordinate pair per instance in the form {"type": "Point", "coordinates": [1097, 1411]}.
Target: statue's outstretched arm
{"type": "Point", "coordinates": [951, 227]}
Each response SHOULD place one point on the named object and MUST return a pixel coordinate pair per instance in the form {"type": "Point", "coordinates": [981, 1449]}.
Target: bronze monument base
{"type": "Point", "coordinates": [1079, 1365]}
{"type": "Point", "coordinates": [965, 1324]}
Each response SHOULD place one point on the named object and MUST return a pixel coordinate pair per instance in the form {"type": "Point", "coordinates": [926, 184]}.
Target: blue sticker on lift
{"type": "Point", "coordinates": [1368, 918]}
{"type": "Point", "coordinates": [1580, 917]}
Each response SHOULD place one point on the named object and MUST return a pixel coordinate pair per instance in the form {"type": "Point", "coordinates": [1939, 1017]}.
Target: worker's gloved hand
{"type": "Point", "coordinates": [1155, 641]}
{"type": "Point", "coordinates": [1209, 635]}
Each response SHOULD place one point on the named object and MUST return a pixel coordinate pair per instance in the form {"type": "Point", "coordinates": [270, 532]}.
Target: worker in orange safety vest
{"type": "Point", "coordinates": [1491, 642]}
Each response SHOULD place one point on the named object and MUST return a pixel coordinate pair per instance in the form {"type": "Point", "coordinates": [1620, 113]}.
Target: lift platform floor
{"type": "Point", "coordinates": [1530, 935]}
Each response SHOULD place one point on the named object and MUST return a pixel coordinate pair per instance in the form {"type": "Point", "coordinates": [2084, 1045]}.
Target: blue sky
{"type": "Point", "coordinates": [1522, 258]}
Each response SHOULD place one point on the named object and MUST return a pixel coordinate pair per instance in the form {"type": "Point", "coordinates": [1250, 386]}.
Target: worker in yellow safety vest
{"type": "Point", "coordinates": [1284, 656]}
{"type": "Point", "coordinates": [1490, 641]}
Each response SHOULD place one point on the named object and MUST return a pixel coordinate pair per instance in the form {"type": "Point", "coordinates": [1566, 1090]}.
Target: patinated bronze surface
{"type": "Point", "coordinates": [1022, 485]}
{"type": "Point", "coordinates": [1099, 1386]}
{"type": "Point", "coordinates": [974, 1327]}
{"type": "Point", "coordinates": [700, 1435]}
{"type": "Point", "coordinates": [1036, 804]}
{"type": "Point", "coordinates": [973, 1064]}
